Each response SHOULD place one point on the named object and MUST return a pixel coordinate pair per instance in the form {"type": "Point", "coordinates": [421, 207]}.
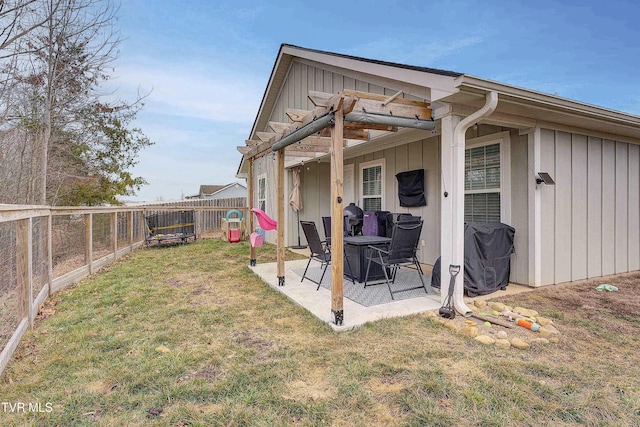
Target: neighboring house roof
{"type": "Point", "coordinates": [210, 190]}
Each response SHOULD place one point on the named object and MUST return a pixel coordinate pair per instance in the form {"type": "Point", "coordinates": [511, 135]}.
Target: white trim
{"type": "Point", "coordinates": [504, 139]}
{"type": "Point", "coordinates": [372, 163]}
{"type": "Point", "coordinates": [266, 190]}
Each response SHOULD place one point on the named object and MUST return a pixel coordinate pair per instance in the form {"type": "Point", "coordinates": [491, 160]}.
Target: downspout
{"type": "Point", "coordinates": [457, 235]}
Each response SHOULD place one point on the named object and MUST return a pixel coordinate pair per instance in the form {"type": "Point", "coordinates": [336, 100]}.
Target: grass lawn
{"type": "Point", "coordinates": [187, 335]}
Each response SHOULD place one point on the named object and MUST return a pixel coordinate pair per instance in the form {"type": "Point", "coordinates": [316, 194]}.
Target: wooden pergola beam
{"type": "Point", "coordinates": [279, 127]}
{"type": "Point", "coordinates": [382, 104]}
{"type": "Point", "coordinates": [309, 154]}
{"type": "Point", "coordinates": [266, 136]}
{"type": "Point", "coordinates": [347, 101]}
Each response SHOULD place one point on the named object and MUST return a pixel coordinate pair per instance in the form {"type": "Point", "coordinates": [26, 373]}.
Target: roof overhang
{"type": "Point", "coordinates": [522, 108]}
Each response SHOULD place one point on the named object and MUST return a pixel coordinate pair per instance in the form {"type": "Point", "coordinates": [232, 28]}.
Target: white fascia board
{"type": "Point", "coordinates": [440, 85]}
{"type": "Point", "coordinates": [535, 97]}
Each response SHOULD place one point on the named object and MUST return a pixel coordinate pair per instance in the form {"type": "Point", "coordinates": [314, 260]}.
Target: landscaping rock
{"type": "Point", "coordinates": [497, 306]}
{"type": "Point", "coordinates": [548, 331]}
{"type": "Point", "coordinates": [543, 321]}
{"type": "Point", "coordinates": [502, 335]}
{"type": "Point", "coordinates": [503, 344]}
{"type": "Point", "coordinates": [480, 303]}
{"type": "Point", "coordinates": [526, 312]}
{"type": "Point", "coordinates": [469, 331]}
{"type": "Point", "coordinates": [485, 339]}
{"type": "Point", "coordinates": [519, 343]}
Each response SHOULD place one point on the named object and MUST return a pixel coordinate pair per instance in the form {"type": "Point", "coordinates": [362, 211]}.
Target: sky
{"type": "Point", "coordinates": [204, 65]}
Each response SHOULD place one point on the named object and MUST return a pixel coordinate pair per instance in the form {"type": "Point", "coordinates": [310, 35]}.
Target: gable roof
{"type": "Point", "coordinates": [418, 76]}
{"type": "Point", "coordinates": [459, 93]}
{"type": "Point", "coordinates": [210, 189]}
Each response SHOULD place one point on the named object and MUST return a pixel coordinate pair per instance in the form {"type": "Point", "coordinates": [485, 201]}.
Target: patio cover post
{"type": "Point", "coordinates": [280, 214]}
{"type": "Point", "coordinates": [337, 195]}
{"type": "Point", "coordinates": [252, 253]}
{"type": "Point", "coordinates": [448, 124]}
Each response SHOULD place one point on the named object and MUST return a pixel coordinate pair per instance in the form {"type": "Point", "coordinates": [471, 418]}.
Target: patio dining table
{"type": "Point", "coordinates": [356, 249]}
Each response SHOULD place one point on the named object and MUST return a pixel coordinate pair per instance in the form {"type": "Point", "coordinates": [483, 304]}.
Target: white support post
{"type": "Point", "coordinates": [448, 124]}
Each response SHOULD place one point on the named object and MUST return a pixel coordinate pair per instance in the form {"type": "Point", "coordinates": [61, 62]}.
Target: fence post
{"type": "Point", "coordinates": [88, 238]}
{"type": "Point", "coordinates": [198, 227]}
{"type": "Point", "coordinates": [131, 231]}
{"type": "Point", "coordinates": [50, 251]}
{"type": "Point", "coordinates": [114, 233]}
{"type": "Point", "coordinates": [23, 268]}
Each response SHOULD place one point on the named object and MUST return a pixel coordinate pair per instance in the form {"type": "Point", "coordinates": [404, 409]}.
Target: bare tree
{"type": "Point", "coordinates": [56, 93]}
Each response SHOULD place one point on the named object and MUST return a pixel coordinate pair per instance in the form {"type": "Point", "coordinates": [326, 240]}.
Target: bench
{"type": "Point", "coordinates": [170, 227]}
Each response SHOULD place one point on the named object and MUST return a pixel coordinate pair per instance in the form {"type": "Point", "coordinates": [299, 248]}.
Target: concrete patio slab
{"type": "Point", "coordinates": [318, 302]}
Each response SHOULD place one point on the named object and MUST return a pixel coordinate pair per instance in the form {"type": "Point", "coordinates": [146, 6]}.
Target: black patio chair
{"type": "Point", "coordinates": [320, 251]}
{"type": "Point", "coordinates": [401, 252]}
{"type": "Point", "coordinates": [326, 224]}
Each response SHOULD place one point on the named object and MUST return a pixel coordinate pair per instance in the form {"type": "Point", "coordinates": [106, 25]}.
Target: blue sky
{"type": "Point", "coordinates": [207, 63]}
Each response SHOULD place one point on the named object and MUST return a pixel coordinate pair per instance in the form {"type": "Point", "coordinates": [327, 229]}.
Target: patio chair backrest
{"type": "Point", "coordinates": [404, 241]}
{"type": "Point", "coordinates": [313, 238]}
{"type": "Point", "coordinates": [326, 224]}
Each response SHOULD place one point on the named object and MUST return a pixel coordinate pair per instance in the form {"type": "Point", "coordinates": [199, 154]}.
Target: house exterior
{"type": "Point", "coordinates": [481, 162]}
{"type": "Point", "coordinates": [215, 192]}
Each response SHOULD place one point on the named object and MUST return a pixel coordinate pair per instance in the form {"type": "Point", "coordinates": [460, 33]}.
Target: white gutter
{"type": "Point", "coordinates": [457, 235]}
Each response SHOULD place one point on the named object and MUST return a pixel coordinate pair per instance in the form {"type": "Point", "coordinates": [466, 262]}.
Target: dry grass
{"type": "Point", "coordinates": [188, 335]}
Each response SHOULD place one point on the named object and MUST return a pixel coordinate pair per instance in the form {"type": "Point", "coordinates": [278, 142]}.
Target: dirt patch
{"type": "Point", "coordinates": [252, 341]}
{"type": "Point", "coordinates": [210, 373]}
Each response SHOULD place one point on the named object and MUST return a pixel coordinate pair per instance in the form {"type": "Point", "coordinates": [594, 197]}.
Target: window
{"type": "Point", "coordinates": [262, 193]}
{"type": "Point", "coordinates": [482, 179]}
{"type": "Point", "coordinates": [372, 174]}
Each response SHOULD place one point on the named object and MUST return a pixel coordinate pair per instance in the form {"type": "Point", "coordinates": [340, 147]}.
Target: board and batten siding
{"type": "Point", "coordinates": [303, 77]}
{"type": "Point", "coordinates": [591, 218]}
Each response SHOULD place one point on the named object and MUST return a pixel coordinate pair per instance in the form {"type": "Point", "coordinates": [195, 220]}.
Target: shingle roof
{"type": "Point", "coordinates": [376, 61]}
{"type": "Point", "coordinates": [210, 189]}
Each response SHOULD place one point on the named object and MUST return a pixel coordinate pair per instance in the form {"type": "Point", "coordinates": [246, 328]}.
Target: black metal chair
{"type": "Point", "coordinates": [401, 252]}
{"type": "Point", "coordinates": [326, 224]}
{"type": "Point", "coordinates": [320, 251]}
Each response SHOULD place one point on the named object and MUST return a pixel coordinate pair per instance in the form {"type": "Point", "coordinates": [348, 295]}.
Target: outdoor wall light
{"type": "Point", "coordinates": [545, 178]}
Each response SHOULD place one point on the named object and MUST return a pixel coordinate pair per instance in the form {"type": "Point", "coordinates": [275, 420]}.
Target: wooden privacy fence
{"type": "Point", "coordinates": [44, 249]}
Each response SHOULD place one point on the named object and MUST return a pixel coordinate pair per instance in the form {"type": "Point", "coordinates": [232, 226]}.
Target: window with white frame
{"type": "Point", "coordinates": [262, 193]}
{"type": "Point", "coordinates": [482, 183]}
{"type": "Point", "coordinates": [372, 189]}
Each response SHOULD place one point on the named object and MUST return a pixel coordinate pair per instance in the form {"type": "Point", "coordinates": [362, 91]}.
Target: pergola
{"type": "Point", "coordinates": [351, 115]}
